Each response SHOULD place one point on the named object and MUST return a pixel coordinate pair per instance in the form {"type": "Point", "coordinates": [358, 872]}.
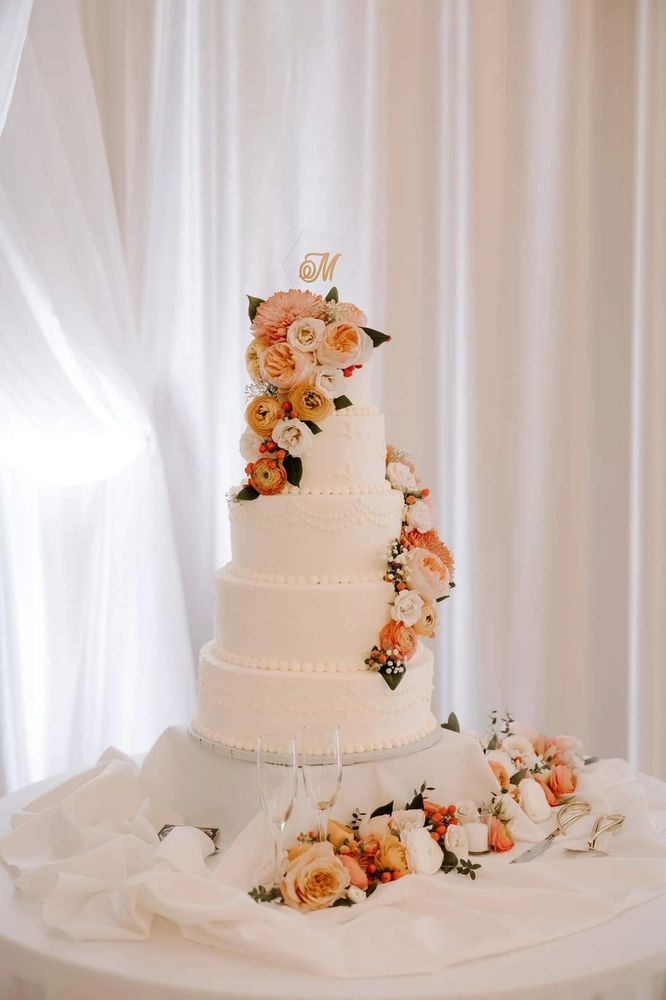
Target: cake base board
{"type": "Point", "coordinates": [233, 753]}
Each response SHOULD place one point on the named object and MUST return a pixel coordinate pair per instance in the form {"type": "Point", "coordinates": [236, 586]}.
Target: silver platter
{"type": "Point", "coordinates": [231, 753]}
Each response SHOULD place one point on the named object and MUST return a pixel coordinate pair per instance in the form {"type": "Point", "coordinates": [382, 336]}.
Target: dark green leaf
{"type": "Point", "coordinates": [342, 402]}
{"type": "Point", "coordinates": [253, 305]}
{"type": "Point", "coordinates": [417, 802]}
{"type": "Point", "coordinates": [376, 337]}
{"type": "Point", "coordinates": [383, 810]}
{"type": "Point", "coordinates": [452, 723]}
{"type": "Point", "coordinates": [519, 775]}
{"type": "Point", "coordinates": [294, 469]}
{"type": "Point", "coordinates": [332, 295]}
{"type": "Point", "coordinates": [444, 597]}
{"type": "Point", "coordinates": [247, 493]}
{"type": "Point", "coordinates": [343, 901]}
{"type": "Point", "coordinates": [449, 861]}
{"type": "Point", "coordinates": [492, 742]}
{"type": "Point", "coordinates": [371, 888]}
{"type": "Point", "coordinates": [315, 428]}
{"type": "Point", "coordinates": [591, 760]}
{"type": "Point", "coordinates": [391, 679]}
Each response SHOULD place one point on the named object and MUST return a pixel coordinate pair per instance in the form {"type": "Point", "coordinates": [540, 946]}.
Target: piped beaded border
{"type": "Point", "coordinates": [313, 579]}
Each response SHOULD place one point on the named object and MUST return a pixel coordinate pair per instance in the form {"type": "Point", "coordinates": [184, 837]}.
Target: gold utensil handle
{"type": "Point", "coordinates": [569, 813]}
{"type": "Point", "coordinates": [604, 824]}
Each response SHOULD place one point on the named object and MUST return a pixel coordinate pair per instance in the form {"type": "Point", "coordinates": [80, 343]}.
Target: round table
{"type": "Point", "coordinates": [624, 958]}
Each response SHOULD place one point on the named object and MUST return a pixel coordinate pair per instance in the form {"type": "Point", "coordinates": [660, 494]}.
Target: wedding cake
{"type": "Point", "coordinates": [335, 568]}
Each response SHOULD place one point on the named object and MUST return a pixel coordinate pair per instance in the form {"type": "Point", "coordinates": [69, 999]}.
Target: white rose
{"type": "Point", "coordinates": [355, 894]}
{"type": "Point", "coordinates": [328, 380]}
{"type": "Point", "coordinates": [407, 607]}
{"type": "Point", "coordinates": [467, 811]}
{"type": "Point", "coordinates": [294, 436]}
{"type": "Point", "coordinates": [367, 347]}
{"type": "Point", "coordinates": [520, 750]}
{"type": "Point", "coordinates": [502, 758]}
{"type": "Point", "coordinates": [424, 855]}
{"type": "Point", "coordinates": [305, 334]}
{"type": "Point", "coordinates": [249, 446]}
{"type": "Point", "coordinates": [418, 516]}
{"type": "Point", "coordinates": [455, 839]}
{"type": "Point", "coordinates": [401, 476]}
{"type": "Point", "coordinates": [533, 800]}
{"type": "Point", "coordinates": [521, 827]}
{"type": "Point", "coordinates": [374, 826]}
{"type": "Point", "coordinates": [408, 819]}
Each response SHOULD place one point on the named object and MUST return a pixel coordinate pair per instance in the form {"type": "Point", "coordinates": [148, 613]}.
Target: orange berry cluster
{"type": "Point", "coordinates": [348, 372]}
{"type": "Point", "coordinates": [394, 570]}
{"type": "Point", "coordinates": [439, 819]}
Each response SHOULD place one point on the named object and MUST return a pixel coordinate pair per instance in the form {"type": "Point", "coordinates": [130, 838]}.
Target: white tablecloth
{"type": "Point", "coordinates": [624, 957]}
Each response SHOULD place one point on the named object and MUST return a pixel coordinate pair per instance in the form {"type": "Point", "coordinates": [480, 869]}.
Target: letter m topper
{"type": "Point", "coordinates": [318, 266]}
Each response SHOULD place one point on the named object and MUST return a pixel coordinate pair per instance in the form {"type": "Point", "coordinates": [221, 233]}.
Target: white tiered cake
{"type": "Point", "coordinates": [310, 587]}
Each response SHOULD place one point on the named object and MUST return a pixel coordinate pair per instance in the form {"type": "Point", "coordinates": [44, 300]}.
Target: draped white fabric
{"type": "Point", "coordinates": [494, 176]}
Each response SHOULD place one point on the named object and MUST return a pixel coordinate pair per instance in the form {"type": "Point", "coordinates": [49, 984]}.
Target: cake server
{"type": "Point", "coordinates": [566, 815]}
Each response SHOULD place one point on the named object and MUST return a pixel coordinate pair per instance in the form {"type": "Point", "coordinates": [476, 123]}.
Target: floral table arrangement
{"type": "Point", "coordinates": [534, 773]}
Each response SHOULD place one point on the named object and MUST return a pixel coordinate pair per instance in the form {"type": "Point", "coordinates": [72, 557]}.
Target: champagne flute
{"type": "Point", "coordinates": [277, 794]}
{"type": "Point", "coordinates": [322, 770]}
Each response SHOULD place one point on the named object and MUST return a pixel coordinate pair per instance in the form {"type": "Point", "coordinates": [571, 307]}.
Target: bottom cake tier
{"type": "Point", "coordinates": [238, 704]}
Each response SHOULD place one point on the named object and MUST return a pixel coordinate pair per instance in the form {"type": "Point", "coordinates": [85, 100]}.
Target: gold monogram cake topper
{"type": "Point", "coordinates": [318, 265]}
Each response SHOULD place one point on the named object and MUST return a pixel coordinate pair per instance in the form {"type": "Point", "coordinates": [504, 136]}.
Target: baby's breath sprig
{"type": "Point", "coordinates": [256, 389]}
{"type": "Point", "coordinates": [395, 570]}
{"type": "Point", "coordinates": [389, 663]}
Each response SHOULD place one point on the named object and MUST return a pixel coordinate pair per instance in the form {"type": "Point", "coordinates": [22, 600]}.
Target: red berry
{"type": "Point", "coordinates": [453, 821]}
{"type": "Point", "coordinates": [262, 448]}
{"type": "Point", "coordinates": [281, 454]}
{"type": "Point", "coordinates": [385, 876]}
{"type": "Point", "coordinates": [395, 876]}
{"type": "Point", "coordinates": [358, 366]}
{"type": "Point", "coordinates": [371, 869]}
{"type": "Point", "coordinates": [441, 830]}
{"type": "Point", "coordinates": [271, 446]}
{"type": "Point", "coordinates": [434, 834]}
{"type": "Point", "coordinates": [451, 810]}
{"type": "Point", "coordinates": [286, 405]}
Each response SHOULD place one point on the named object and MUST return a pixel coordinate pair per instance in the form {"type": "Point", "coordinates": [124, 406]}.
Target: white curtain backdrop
{"type": "Point", "coordinates": [493, 173]}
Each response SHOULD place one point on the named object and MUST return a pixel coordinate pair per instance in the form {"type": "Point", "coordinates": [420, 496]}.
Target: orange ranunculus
{"type": "Point", "coordinates": [562, 780]}
{"type": "Point", "coordinates": [396, 635]}
{"type": "Point", "coordinates": [268, 476]}
{"type": "Point", "coordinates": [310, 403]}
{"type": "Point", "coordinates": [262, 413]}
{"type": "Point", "coordinates": [499, 838]}
{"type": "Point", "coordinates": [430, 540]}
{"type": "Point", "coordinates": [500, 773]}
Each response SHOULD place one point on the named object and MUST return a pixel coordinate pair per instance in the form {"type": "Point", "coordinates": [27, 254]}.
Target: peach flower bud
{"type": "Point", "coordinates": [356, 874]}
{"type": "Point", "coordinates": [500, 773]}
{"type": "Point", "coordinates": [499, 838]}
{"type": "Point", "coordinates": [562, 780]}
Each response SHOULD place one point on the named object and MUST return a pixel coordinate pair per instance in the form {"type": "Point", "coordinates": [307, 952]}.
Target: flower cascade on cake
{"type": "Point", "coordinates": [303, 351]}
{"type": "Point", "coordinates": [420, 567]}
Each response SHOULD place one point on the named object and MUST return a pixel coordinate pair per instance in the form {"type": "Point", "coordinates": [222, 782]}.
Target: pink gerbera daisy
{"type": "Point", "coordinates": [274, 316]}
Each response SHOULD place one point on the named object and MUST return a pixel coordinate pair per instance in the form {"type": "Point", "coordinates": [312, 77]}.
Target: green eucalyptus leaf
{"type": "Point", "coordinates": [516, 778]}
{"type": "Point", "coordinates": [452, 723]}
{"type": "Point", "coordinates": [384, 810]}
{"type": "Point", "coordinates": [332, 295]}
{"type": "Point", "coordinates": [342, 402]}
{"type": "Point", "coordinates": [449, 861]}
{"type": "Point", "coordinates": [315, 428]}
{"type": "Point", "coordinates": [492, 742]}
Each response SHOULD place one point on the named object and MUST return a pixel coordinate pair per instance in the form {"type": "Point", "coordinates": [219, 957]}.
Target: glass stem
{"type": "Point", "coordinates": [277, 852]}
{"type": "Point", "coordinates": [322, 824]}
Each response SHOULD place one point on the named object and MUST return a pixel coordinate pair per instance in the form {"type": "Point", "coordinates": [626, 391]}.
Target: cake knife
{"type": "Point", "coordinates": [566, 815]}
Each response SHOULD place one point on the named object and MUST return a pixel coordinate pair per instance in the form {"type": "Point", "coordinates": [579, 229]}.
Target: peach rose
{"type": "Point", "coordinates": [342, 345]}
{"type": "Point", "coordinates": [562, 780]}
{"type": "Point", "coordinates": [274, 316]}
{"type": "Point", "coordinates": [357, 876]}
{"type": "Point", "coordinates": [427, 622]}
{"type": "Point", "coordinates": [310, 403]}
{"type": "Point", "coordinates": [391, 856]}
{"type": "Point", "coordinates": [262, 414]}
{"type": "Point", "coordinates": [283, 366]}
{"type": "Point", "coordinates": [500, 773]}
{"type": "Point", "coordinates": [431, 541]}
{"type": "Point", "coordinates": [315, 879]}
{"type": "Point", "coordinates": [254, 351]}
{"type": "Point", "coordinates": [425, 573]}
{"type": "Point", "coordinates": [562, 749]}
{"type": "Point", "coordinates": [499, 838]}
{"type": "Point", "coordinates": [551, 798]}
{"type": "Point", "coordinates": [396, 635]}
{"type": "Point", "coordinates": [268, 476]}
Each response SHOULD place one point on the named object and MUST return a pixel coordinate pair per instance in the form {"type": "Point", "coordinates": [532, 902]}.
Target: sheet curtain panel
{"type": "Point", "coordinates": [494, 177]}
